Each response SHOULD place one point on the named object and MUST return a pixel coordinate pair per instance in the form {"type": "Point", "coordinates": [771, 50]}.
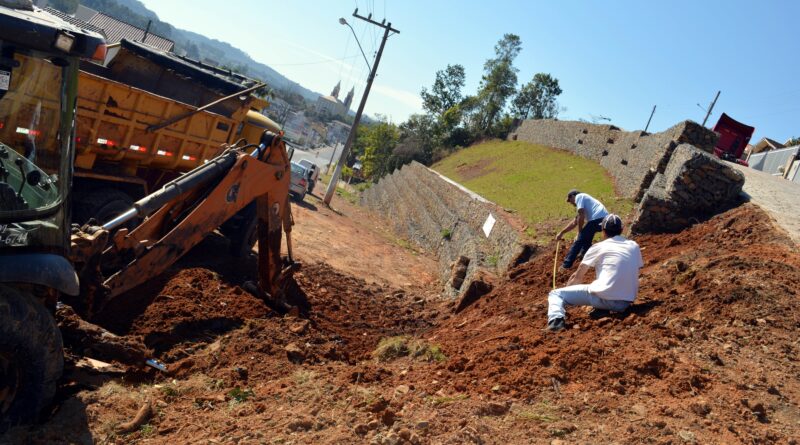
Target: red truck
{"type": "Point", "coordinates": [733, 138]}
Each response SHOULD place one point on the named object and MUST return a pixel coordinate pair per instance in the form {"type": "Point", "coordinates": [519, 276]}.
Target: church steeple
{"type": "Point", "coordinates": [349, 99]}
{"type": "Point", "coordinates": [335, 92]}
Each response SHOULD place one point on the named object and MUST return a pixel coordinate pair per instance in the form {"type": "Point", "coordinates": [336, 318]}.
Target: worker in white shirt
{"type": "Point", "coordinates": [587, 220]}
{"type": "Point", "coordinates": [616, 261]}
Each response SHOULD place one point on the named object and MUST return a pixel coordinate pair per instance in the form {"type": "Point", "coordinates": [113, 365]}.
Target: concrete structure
{"type": "Point", "coordinates": [447, 219]}
{"type": "Point", "coordinates": [643, 167]}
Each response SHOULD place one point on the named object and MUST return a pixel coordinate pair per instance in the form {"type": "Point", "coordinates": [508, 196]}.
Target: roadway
{"type": "Point", "coordinates": [320, 156]}
{"type": "Point", "coordinates": [778, 196]}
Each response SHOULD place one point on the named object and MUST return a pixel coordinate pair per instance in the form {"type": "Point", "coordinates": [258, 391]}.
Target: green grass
{"type": "Point", "coordinates": [531, 179]}
{"type": "Point", "coordinates": [446, 400]}
{"type": "Point", "coordinates": [390, 348]}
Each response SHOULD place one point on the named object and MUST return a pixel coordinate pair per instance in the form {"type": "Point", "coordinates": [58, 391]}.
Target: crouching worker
{"type": "Point", "coordinates": [616, 261]}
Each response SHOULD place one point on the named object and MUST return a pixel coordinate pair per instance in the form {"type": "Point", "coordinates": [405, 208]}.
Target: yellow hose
{"type": "Point", "coordinates": [555, 263]}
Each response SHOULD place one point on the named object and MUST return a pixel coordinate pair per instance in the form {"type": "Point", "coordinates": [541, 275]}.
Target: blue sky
{"type": "Point", "coordinates": [615, 58]}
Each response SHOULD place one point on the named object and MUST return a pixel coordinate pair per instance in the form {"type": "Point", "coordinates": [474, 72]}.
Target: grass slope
{"type": "Point", "coordinates": [531, 179]}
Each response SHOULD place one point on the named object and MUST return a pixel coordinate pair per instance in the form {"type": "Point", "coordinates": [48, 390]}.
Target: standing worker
{"type": "Point", "coordinates": [616, 261]}
{"type": "Point", "coordinates": [590, 214]}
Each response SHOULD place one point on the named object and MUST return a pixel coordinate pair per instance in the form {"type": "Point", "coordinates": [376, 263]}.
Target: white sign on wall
{"type": "Point", "coordinates": [489, 225]}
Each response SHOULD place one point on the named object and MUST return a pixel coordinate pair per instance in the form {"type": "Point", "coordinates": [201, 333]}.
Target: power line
{"type": "Point", "coordinates": [314, 63]}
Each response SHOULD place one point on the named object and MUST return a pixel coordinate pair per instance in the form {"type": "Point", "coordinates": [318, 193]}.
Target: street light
{"type": "Point", "coordinates": [387, 28]}
{"type": "Point", "coordinates": [344, 22]}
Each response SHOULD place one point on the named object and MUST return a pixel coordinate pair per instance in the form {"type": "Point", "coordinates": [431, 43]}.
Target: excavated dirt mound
{"type": "Point", "coordinates": [711, 341]}
{"type": "Point", "coordinates": [708, 354]}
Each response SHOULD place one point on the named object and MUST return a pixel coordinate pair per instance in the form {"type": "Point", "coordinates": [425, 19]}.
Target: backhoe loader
{"type": "Point", "coordinates": [44, 260]}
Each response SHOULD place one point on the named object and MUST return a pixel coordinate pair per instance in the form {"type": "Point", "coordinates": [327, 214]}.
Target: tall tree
{"type": "Point", "coordinates": [499, 82]}
{"type": "Point", "coordinates": [446, 90]}
{"type": "Point", "coordinates": [537, 99]}
{"type": "Point", "coordinates": [380, 142]}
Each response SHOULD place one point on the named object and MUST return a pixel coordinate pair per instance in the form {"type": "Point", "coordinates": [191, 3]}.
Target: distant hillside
{"type": "Point", "coordinates": [196, 45]}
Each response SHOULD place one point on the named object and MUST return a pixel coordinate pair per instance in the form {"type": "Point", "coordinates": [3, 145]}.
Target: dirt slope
{"type": "Point", "coordinates": [707, 355]}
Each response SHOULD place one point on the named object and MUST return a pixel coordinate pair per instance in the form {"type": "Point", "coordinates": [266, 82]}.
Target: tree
{"type": "Point", "coordinates": [418, 138]}
{"type": "Point", "coordinates": [537, 99]}
{"type": "Point", "coordinates": [498, 83]}
{"type": "Point", "coordinates": [380, 143]}
{"type": "Point", "coordinates": [446, 90]}
{"type": "Point", "coordinates": [792, 142]}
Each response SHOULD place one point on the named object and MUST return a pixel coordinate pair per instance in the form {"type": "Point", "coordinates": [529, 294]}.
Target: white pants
{"type": "Point", "coordinates": [578, 295]}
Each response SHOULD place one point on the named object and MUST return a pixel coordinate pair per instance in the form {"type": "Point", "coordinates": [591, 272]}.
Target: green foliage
{"type": "Point", "coordinates": [446, 90]}
{"type": "Point", "coordinates": [380, 142]}
{"type": "Point", "coordinates": [531, 179]}
{"type": "Point", "coordinates": [537, 99]}
{"type": "Point", "coordinates": [147, 430]}
{"type": "Point", "coordinates": [446, 233]}
{"type": "Point", "coordinates": [446, 400]}
{"type": "Point", "coordinates": [792, 142]}
{"type": "Point", "coordinates": [391, 348]}
{"type": "Point", "coordinates": [498, 84]}
{"type": "Point", "coordinates": [239, 395]}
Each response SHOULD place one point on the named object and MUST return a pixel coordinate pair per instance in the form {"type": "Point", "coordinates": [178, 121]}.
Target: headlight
{"type": "Point", "coordinates": [64, 42]}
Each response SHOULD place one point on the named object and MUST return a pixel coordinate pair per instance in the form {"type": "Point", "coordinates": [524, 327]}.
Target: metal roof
{"type": "Point", "coordinates": [116, 30]}
{"type": "Point", "coordinates": [75, 21]}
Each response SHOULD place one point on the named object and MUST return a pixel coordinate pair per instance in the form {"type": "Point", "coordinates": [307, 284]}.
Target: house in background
{"type": "Point", "coordinates": [114, 30]}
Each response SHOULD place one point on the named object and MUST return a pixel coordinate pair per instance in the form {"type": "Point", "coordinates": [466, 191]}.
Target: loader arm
{"type": "Point", "coordinates": [186, 213]}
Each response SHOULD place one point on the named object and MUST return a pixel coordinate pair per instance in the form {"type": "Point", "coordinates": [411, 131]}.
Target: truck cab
{"type": "Point", "coordinates": [39, 57]}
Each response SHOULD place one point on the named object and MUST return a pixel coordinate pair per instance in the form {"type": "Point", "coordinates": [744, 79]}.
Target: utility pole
{"type": "Point", "coordinates": [387, 28]}
{"type": "Point", "coordinates": [711, 107]}
{"type": "Point", "coordinates": [651, 118]}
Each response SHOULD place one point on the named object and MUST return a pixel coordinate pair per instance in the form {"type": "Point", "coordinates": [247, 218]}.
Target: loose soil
{"type": "Point", "coordinates": [708, 354]}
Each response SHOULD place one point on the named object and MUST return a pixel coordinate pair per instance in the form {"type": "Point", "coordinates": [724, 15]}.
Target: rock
{"type": "Point", "coordinates": [557, 442]}
{"type": "Point", "coordinates": [360, 429]}
{"type": "Point", "coordinates": [496, 388]}
{"type": "Point", "coordinates": [639, 410]}
{"type": "Point", "coordinates": [378, 405]}
{"type": "Point", "coordinates": [402, 389]}
{"type": "Point", "coordinates": [404, 433]}
{"type": "Point", "coordinates": [422, 425]}
{"type": "Point", "coordinates": [493, 409]}
{"type": "Point", "coordinates": [301, 327]}
{"type": "Point", "coordinates": [302, 424]}
{"type": "Point", "coordinates": [373, 425]}
{"type": "Point", "coordinates": [388, 417]}
{"type": "Point", "coordinates": [391, 439]}
{"type": "Point", "coordinates": [701, 408]}
{"type": "Point", "coordinates": [294, 353]}
{"type": "Point", "coordinates": [687, 436]}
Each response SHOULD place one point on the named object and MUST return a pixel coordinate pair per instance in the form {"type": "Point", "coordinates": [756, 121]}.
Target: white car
{"type": "Point", "coordinates": [299, 182]}
{"type": "Point", "coordinates": [313, 173]}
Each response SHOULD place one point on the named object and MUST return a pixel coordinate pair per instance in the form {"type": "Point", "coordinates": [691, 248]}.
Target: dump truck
{"type": "Point", "coordinates": [45, 261]}
{"type": "Point", "coordinates": [145, 116]}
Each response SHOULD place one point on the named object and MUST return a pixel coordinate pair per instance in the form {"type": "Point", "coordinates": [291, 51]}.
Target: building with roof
{"type": "Point", "coordinates": [114, 30]}
{"type": "Point", "coordinates": [331, 104]}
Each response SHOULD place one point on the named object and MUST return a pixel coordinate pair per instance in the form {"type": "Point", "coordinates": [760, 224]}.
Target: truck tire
{"type": "Point", "coordinates": [102, 205]}
{"type": "Point", "coordinates": [31, 357]}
